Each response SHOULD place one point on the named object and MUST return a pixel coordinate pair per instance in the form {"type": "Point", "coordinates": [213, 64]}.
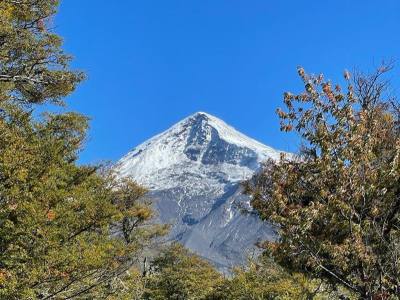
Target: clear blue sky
{"type": "Point", "coordinates": [151, 63]}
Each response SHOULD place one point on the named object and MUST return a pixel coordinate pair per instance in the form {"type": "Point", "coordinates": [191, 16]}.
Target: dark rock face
{"type": "Point", "coordinates": [215, 150]}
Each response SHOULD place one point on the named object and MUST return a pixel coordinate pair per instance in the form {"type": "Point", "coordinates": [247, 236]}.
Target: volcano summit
{"type": "Point", "coordinates": [193, 171]}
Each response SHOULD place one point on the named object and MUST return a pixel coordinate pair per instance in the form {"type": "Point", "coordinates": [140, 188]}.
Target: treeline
{"type": "Point", "coordinates": [70, 231]}
{"type": "Point", "coordinates": [179, 274]}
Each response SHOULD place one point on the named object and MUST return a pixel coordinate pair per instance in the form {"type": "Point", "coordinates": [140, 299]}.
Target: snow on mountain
{"type": "Point", "coordinates": [193, 171]}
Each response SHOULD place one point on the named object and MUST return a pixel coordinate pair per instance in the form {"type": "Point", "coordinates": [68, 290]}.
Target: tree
{"type": "Point", "coordinates": [33, 67]}
{"type": "Point", "coordinates": [337, 204]}
{"type": "Point", "coordinates": [263, 279]}
{"type": "Point", "coordinates": [67, 231]}
{"type": "Point", "coordinates": [180, 275]}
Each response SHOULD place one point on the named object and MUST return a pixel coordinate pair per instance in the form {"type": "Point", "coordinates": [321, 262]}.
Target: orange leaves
{"type": "Point", "coordinates": [281, 113]}
{"type": "Point", "coordinates": [51, 215]}
{"type": "Point", "coordinates": [271, 246]}
{"type": "Point", "coordinates": [3, 275]}
{"type": "Point", "coordinates": [286, 127]}
{"type": "Point", "coordinates": [326, 88]}
{"type": "Point", "coordinates": [287, 95]}
{"type": "Point", "coordinates": [337, 205]}
{"type": "Point", "coordinates": [301, 72]}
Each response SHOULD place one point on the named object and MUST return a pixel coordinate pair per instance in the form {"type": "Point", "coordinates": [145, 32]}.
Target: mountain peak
{"type": "Point", "coordinates": [201, 114]}
{"type": "Point", "coordinates": [196, 118]}
{"type": "Point", "coordinates": [193, 171]}
{"type": "Point", "coordinates": [202, 120]}
{"type": "Point", "coordinates": [200, 117]}
{"type": "Point", "coordinates": [197, 141]}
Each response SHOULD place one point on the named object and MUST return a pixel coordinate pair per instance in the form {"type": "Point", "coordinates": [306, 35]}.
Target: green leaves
{"type": "Point", "coordinates": [58, 218]}
{"type": "Point", "coordinates": [33, 67]}
{"type": "Point", "coordinates": [179, 274]}
{"type": "Point", "coordinates": [264, 279]}
{"type": "Point", "coordinates": [60, 222]}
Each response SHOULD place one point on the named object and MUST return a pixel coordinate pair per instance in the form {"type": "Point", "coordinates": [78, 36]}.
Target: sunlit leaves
{"type": "Point", "coordinates": [337, 204]}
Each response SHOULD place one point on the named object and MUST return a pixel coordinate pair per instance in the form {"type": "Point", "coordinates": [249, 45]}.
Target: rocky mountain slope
{"type": "Point", "coordinates": [193, 171]}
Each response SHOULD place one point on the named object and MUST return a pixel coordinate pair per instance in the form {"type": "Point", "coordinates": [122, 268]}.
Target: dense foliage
{"type": "Point", "coordinates": [264, 279]}
{"type": "Point", "coordinates": [70, 231]}
{"type": "Point", "coordinates": [33, 68]}
{"type": "Point", "coordinates": [337, 205]}
{"type": "Point", "coordinates": [59, 222]}
{"type": "Point", "coordinates": [178, 274]}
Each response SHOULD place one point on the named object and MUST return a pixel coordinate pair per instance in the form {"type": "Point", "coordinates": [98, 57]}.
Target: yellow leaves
{"type": "Point", "coordinates": [4, 274]}
{"type": "Point", "coordinates": [22, 175]}
{"type": "Point", "coordinates": [375, 212]}
{"type": "Point", "coordinates": [141, 212]}
{"type": "Point", "coordinates": [6, 11]}
{"type": "Point", "coordinates": [387, 117]}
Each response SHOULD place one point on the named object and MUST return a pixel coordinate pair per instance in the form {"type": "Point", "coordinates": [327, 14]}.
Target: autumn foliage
{"type": "Point", "coordinates": [337, 203]}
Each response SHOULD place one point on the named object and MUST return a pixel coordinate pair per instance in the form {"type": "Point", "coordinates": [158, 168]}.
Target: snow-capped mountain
{"type": "Point", "coordinates": [193, 171]}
